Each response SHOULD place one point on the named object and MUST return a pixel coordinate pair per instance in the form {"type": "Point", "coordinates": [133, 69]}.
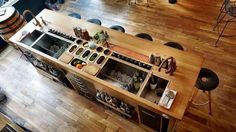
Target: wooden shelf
{"type": "Point", "coordinates": [114, 108]}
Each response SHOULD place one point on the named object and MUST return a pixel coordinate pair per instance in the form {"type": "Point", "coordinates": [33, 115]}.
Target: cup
{"type": "Point", "coordinates": [92, 45]}
{"type": "Point", "coordinates": [153, 86]}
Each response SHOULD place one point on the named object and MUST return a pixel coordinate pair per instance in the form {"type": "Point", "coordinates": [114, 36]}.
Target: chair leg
{"type": "Point", "coordinates": [221, 10]}
{"type": "Point", "coordinates": [223, 6]}
{"type": "Point", "coordinates": [221, 33]}
{"type": "Point", "coordinates": [209, 92]}
{"type": "Point", "coordinates": [218, 20]}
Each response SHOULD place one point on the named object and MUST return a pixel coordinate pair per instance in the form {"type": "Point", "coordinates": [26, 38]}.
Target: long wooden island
{"type": "Point", "coordinates": [127, 54]}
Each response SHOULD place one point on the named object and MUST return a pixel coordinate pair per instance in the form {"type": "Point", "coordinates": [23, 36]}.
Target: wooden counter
{"type": "Point", "coordinates": [183, 80]}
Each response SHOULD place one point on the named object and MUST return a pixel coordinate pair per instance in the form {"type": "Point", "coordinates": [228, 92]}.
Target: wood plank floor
{"type": "Point", "coordinates": [43, 105]}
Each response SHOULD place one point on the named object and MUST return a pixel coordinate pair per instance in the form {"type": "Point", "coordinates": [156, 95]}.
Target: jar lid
{"type": "Point", "coordinates": [6, 13]}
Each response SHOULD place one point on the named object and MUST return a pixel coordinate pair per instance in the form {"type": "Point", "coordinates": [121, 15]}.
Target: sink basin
{"type": "Point", "coordinates": [31, 37]}
{"type": "Point", "coordinates": [51, 46]}
{"type": "Point", "coordinates": [122, 75]}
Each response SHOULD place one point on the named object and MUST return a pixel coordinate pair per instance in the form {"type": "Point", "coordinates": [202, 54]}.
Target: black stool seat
{"type": "Point", "coordinates": [207, 80]}
{"type": "Point", "coordinates": [144, 36]}
{"type": "Point", "coordinates": [75, 15]}
{"type": "Point", "coordinates": [174, 45]}
{"type": "Point", "coordinates": [172, 1]}
{"type": "Point", "coordinates": [118, 28]}
{"type": "Point", "coordinates": [95, 21]}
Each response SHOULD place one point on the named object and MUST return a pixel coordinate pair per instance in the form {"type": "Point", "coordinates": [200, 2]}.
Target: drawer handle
{"type": "Point", "coordinates": [153, 116]}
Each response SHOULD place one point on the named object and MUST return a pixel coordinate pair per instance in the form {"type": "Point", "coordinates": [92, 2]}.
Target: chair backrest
{"type": "Point", "coordinates": [230, 7]}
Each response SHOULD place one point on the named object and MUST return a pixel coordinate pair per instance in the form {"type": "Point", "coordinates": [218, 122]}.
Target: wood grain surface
{"type": "Point", "coordinates": [42, 105]}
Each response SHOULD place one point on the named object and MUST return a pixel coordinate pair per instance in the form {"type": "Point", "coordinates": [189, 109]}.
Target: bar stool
{"type": "Point", "coordinates": [207, 81]}
{"type": "Point", "coordinates": [228, 8]}
{"type": "Point", "coordinates": [172, 1]}
{"type": "Point", "coordinates": [95, 21]}
{"type": "Point", "coordinates": [118, 28]}
{"type": "Point", "coordinates": [75, 15]}
{"type": "Point", "coordinates": [174, 45]}
{"type": "Point", "coordinates": [144, 36]}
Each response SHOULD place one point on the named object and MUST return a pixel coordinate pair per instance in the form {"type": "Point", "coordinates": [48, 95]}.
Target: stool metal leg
{"type": "Point", "coordinates": [201, 104]}
{"type": "Point", "coordinates": [209, 92]}
{"type": "Point", "coordinates": [194, 94]}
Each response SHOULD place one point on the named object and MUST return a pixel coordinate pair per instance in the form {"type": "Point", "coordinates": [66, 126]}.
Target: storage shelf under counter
{"type": "Point", "coordinates": [114, 108]}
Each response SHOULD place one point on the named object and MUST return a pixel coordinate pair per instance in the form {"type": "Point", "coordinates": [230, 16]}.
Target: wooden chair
{"type": "Point", "coordinates": [228, 8]}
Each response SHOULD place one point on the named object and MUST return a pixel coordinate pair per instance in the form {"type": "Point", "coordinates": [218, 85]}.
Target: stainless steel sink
{"type": "Point", "coordinates": [31, 37]}
{"type": "Point", "coordinates": [51, 46]}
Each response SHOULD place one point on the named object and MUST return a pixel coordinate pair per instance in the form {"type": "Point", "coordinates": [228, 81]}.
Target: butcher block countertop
{"type": "Point", "coordinates": [182, 81]}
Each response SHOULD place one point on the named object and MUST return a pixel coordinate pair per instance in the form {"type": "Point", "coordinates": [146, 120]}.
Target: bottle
{"type": "Point", "coordinates": [136, 82]}
{"type": "Point", "coordinates": [157, 60]}
{"type": "Point", "coordinates": [77, 31]}
{"type": "Point", "coordinates": [85, 34]}
{"type": "Point", "coordinates": [152, 59]}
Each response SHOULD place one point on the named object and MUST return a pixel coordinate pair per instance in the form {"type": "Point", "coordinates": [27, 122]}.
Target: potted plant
{"type": "Point", "coordinates": [153, 83]}
{"type": "Point", "coordinates": [102, 37]}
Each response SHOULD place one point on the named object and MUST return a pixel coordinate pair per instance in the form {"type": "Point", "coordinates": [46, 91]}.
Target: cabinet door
{"type": "Point", "coordinates": [153, 120]}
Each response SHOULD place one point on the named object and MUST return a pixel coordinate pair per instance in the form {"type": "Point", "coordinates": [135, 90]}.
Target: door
{"type": "Point", "coordinates": [153, 120]}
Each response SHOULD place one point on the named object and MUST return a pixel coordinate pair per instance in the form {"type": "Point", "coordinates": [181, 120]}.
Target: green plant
{"type": "Point", "coordinates": [101, 36]}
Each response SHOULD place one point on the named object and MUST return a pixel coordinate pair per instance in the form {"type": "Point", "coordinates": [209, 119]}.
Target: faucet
{"type": "Point", "coordinates": [37, 21]}
{"type": "Point", "coordinates": [171, 65]}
